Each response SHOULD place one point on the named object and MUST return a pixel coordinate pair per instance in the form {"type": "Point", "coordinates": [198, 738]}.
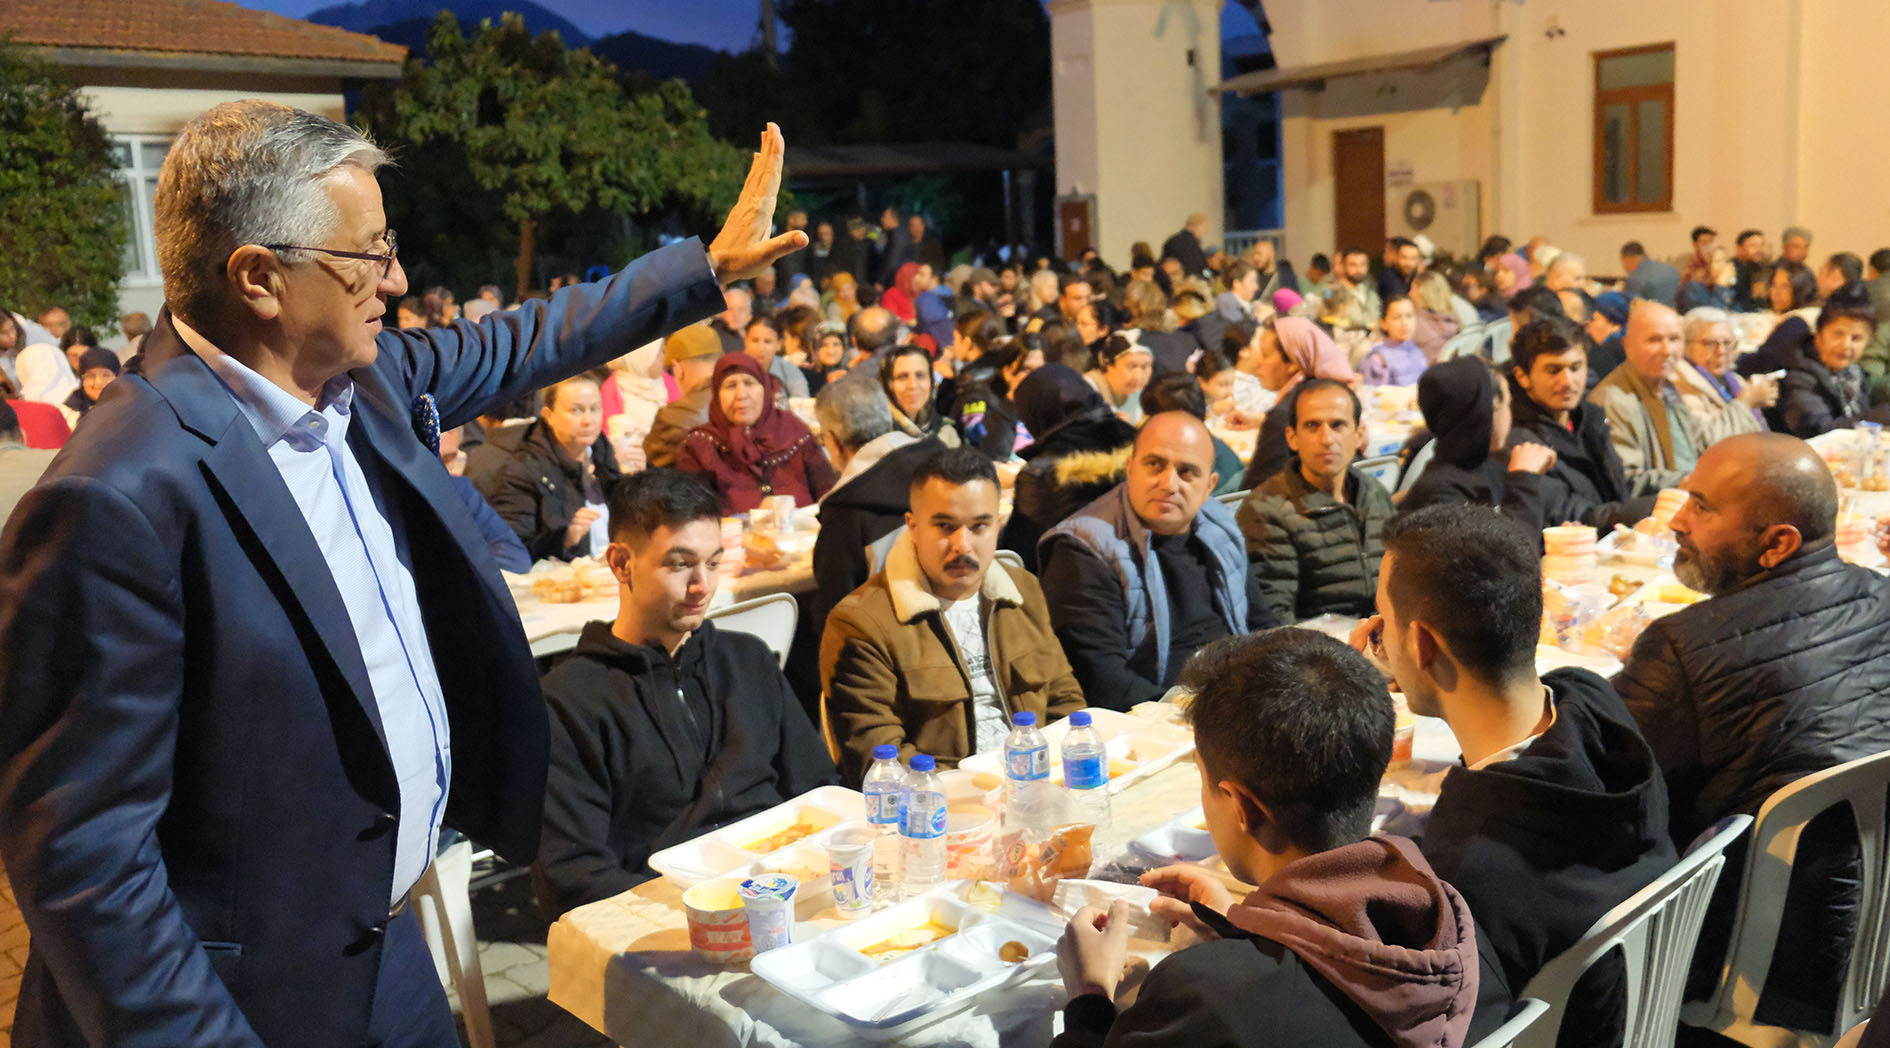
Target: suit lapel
{"type": "Point", "coordinates": [251, 487]}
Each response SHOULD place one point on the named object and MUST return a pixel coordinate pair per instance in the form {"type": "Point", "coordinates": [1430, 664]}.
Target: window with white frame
{"type": "Point", "coordinates": [139, 157]}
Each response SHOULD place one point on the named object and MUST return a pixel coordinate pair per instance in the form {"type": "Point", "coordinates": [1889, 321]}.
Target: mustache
{"type": "Point", "coordinates": [970, 563]}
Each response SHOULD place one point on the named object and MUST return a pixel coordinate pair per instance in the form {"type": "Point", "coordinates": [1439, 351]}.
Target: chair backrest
{"type": "Point", "coordinates": [771, 618]}
{"type": "Point", "coordinates": [1383, 469]}
{"type": "Point", "coordinates": [1497, 334]}
{"type": "Point", "coordinates": [826, 732]}
{"type": "Point", "coordinates": [1656, 929]}
{"type": "Point", "coordinates": [1528, 1013]}
{"type": "Point", "coordinates": [1010, 559]}
{"type": "Point", "coordinates": [1416, 469]}
{"type": "Point", "coordinates": [1464, 343]}
{"type": "Point", "coordinates": [1233, 499]}
{"type": "Point", "coordinates": [1865, 785]}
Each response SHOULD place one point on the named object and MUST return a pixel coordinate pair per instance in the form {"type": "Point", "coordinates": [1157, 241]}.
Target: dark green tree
{"type": "Point", "coordinates": [62, 223]}
{"type": "Point", "coordinates": [500, 124]}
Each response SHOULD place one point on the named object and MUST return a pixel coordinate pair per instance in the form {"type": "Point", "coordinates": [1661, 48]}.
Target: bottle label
{"type": "Point", "coordinates": [1025, 765]}
{"type": "Point", "coordinates": [882, 807]}
{"type": "Point", "coordinates": [1086, 773]}
{"type": "Point", "coordinates": [920, 823]}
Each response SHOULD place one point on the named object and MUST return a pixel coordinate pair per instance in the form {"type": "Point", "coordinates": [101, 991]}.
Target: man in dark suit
{"type": "Point", "coordinates": [257, 653]}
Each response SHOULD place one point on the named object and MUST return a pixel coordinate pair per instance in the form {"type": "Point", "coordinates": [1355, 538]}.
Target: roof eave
{"type": "Point", "coordinates": [1314, 77]}
{"type": "Point", "coordinates": [281, 65]}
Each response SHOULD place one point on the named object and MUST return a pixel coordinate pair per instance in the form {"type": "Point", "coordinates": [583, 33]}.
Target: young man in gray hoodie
{"type": "Point", "coordinates": [1349, 939]}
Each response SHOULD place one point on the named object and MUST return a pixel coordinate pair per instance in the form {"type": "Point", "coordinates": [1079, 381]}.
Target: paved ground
{"type": "Point", "coordinates": [511, 949]}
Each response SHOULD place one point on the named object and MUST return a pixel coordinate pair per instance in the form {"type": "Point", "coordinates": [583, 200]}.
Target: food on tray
{"type": "Point", "coordinates": [801, 869]}
{"type": "Point", "coordinates": [761, 552]}
{"type": "Point", "coordinates": [582, 579]}
{"type": "Point", "coordinates": [1034, 869]}
{"type": "Point", "coordinates": [1616, 631]}
{"type": "Point", "coordinates": [908, 940]}
{"type": "Point", "coordinates": [801, 830]}
{"type": "Point", "coordinates": [1013, 952]}
{"type": "Point", "coordinates": [1621, 586]}
{"type": "Point", "coordinates": [1675, 593]}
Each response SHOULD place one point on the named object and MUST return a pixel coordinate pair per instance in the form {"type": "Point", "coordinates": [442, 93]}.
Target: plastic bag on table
{"type": "Point", "coordinates": [1033, 868]}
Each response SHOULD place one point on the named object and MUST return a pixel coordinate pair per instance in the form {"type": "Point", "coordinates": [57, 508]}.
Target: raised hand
{"type": "Point", "coordinates": [743, 248]}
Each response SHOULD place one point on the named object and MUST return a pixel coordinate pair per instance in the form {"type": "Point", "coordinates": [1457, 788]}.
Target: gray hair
{"type": "Point", "coordinates": [1701, 318]}
{"type": "Point", "coordinates": [855, 410]}
{"type": "Point", "coordinates": [1795, 231]}
{"type": "Point", "coordinates": [247, 172]}
{"type": "Point", "coordinates": [1564, 260]}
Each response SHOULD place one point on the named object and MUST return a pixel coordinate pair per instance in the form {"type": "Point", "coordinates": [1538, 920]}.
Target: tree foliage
{"type": "Point", "coordinates": [62, 224]}
{"type": "Point", "coordinates": [502, 123]}
{"type": "Point", "coordinates": [869, 71]}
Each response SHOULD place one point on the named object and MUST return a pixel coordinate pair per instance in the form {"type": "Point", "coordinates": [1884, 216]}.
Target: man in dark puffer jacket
{"type": "Point", "coordinates": [1783, 673]}
{"type": "Point", "coordinates": [1312, 529]}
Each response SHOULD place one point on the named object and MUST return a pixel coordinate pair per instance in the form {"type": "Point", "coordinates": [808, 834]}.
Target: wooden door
{"type": "Point", "coordinates": [1076, 226]}
{"type": "Point", "coordinates": [1358, 179]}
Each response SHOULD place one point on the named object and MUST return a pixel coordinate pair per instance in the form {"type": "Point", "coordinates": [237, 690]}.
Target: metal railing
{"type": "Point", "coordinates": [1236, 241]}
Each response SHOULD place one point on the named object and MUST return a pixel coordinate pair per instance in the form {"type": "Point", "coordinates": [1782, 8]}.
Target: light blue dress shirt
{"type": "Point", "coordinates": [310, 448]}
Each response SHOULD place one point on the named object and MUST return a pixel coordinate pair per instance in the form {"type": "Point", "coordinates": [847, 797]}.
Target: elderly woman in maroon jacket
{"type": "Point", "coordinates": [750, 449]}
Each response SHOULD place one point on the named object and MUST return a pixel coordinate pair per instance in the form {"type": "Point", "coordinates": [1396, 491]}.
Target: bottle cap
{"type": "Point", "coordinates": [1025, 719]}
{"type": "Point", "coordinates": [885, 751]}
{"type": "Point", "coordinates": [1079, 719]}
{"type": "Point", "coordinates": [921, 762]}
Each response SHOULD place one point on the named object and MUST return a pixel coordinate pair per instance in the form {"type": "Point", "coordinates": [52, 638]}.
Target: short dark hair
{"type": "Point", "coordinates": [1747, 234]}
{"type": "Point", "coordinates": [1235, 270]}
{"type": "Point", "coordinates": [1302, 722]}
{"type": "Point", "coordinates": [1700, 231]}
{"type": "Point", "coordinates": [1064, 280]}
{"type": "Point", "coordinates": [1850, 302]}
{"type": "Point", "coordinates": [77, 335]}
{"type": "Point", "coordinates": [1400, 243]}
{"type": "Point", "coordinates": [1235, 339]}
{"type": "Point", "coordinates": [1384, 308]}
{"type": "Point", "coordinates": [1209, 363]}
{"type": "Point", "coordinates": [763, 320]}
{"type": "Point", "coordinates": [1543, 335]}
{"type": "Point", "coordinates": [1474, 576]}
{"type": "Point", "coordinates": [1175, 391]}
{"type": "Point", "coordinates": [9, 419]}
{"type": "Point", "coordinates": [1848, 264]}
{"type": "Point", "coordinates": [1350, 251]}
{"type": "Point", "coordinates": [1142, 262]}
{"type": "Point", "coordinates": [980, 327]}
{"type": "Point", "coordinates": [1319, 261]}
{"type": "Point", "coordinates": [658, 498]}
{"type": "Point", "coordinates": [1312, 385]}
{"type": "Point", "coordinates": [1496, 245]}
{"type": "Point", "coordinates": [955, 466]}
{"type": "Point", "coordinates": [1633, 249]}
{"type": "Point", "coordinates": [1537, 301]}
{"type": "Point", "coordinates": [1880, 260]}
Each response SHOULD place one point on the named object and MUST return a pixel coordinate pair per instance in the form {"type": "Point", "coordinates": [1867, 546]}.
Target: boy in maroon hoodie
{"type": "Point", "coordinates": [1349, 939]}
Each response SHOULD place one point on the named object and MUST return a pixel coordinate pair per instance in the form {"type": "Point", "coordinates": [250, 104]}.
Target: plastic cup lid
{"type": "Point", "coordinates": [885, 751]}
{"type": "Point", "coordinates": [1024, 720]}
{"type": "Point", "coordinates": [1079, 719]}
{"type": "Point", "coordinates": [769, 886]}
{"type": "Point", "coordinates": [921, 762]}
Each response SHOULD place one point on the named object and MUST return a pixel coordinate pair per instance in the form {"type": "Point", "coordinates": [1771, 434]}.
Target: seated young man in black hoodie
{"type": "Point", "coordinates": [1548, 385]}
{"type": "Point", "coordinates": [662, 726]}
{"type": "Point", "coordinates": [1559, 811]}
{"type": "Point", "coordinates": [1349, 939]}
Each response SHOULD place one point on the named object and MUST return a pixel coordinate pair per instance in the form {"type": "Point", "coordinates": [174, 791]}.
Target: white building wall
{"type": "Point", "coordinates": [1136, 124]}
{"type": "Point", "coordinates": [1771, 124]}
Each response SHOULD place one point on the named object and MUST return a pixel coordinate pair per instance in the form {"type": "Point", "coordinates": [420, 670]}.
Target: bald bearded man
{"type": "Point", "coordinates": [1781, 674]}
{"type": "Point", "coordinates": [1150, 572]}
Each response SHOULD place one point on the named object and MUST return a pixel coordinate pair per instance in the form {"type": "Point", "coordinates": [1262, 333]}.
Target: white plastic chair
{"type": "Point", "coordinates": [1383, 469]}
{"type": "Point", "coordinates": [1416, 469]}
{"type": "Point", "coordinates": [443, 903]}
{"type": "Point", "coordinates": [1464, 343]}
{"type": "Point", "coordinates": [1233, 499]}
{"type": "Point", "coordinates": [1728, 1011]}
{"type": "Point", "coordinates": [1528, 1013]}
{"type": "Point", "coordinates": [771, 618]}
{"type": "Point", "coordinates": [1656, 929]}
{"type": "Point", "coordinates": [1010, 559]}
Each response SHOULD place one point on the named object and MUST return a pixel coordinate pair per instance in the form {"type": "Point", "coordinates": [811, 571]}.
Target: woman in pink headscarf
{"type": "Point", "coordinates": [1292, 350]}
{"type": "Point", "coordinates": [1512, 274]}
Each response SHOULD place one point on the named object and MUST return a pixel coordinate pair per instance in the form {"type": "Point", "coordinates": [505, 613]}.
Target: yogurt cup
{"type": "Point", "coordinates": [769, 901]}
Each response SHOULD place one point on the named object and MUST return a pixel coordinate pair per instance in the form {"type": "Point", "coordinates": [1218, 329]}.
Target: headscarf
{"type": "Point", "coordinates": [1307, 345]}
{"type": "Point", "coordinates": [845, 307]}
{"type": "Point", "coordinates": [901, 299]}
{"type": "Point", "coordinates": [45, 374]}
{"type": "Point", "coordinates": [1458, 398]}
{"type": "Point", "coordinates": [774, 432]}
{"type": "Point", "coordinates": [928, 423]}
{"type": "Point", "coordinates": [1052, 395]}
{"type": "Point", "coordinates": [1519, 266]}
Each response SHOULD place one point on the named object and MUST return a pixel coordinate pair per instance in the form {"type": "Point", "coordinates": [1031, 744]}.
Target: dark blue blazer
{"type": "Point", "coordinates": [196, 801]}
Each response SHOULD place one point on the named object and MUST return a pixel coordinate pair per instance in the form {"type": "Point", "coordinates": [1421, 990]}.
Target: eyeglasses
{"type": "Point", "coordinates": [1718, 343]}
{"type": "Point", "coordinates": [386, 260]}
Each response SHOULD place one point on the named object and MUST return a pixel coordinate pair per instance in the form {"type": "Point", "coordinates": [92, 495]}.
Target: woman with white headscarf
{"type": "Point", "coordinates": [46, 376]}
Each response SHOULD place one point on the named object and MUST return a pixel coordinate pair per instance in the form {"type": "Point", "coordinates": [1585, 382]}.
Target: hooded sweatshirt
{"type": "Point", "coordinates": [649, 750]}
{"type": "Point", "coordinates": [1359, 945]}
{"type": "Point", "coordinates": [1543, 844]}
{"type": "Point", "coordinates": [1458, 400]}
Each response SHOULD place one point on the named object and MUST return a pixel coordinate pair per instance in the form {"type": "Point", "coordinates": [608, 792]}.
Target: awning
{"type": "Point", "coordinates": [1315, 76]}
{"type": "Point", "coordinates": [879, 161]}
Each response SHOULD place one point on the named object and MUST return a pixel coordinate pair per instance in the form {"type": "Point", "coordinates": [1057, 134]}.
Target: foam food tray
{"type": "Point", "coordinates": [741, 847]}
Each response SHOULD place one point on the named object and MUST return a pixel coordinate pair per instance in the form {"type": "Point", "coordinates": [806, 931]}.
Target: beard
{"type": "Point", "coordinates": [1714, 573]}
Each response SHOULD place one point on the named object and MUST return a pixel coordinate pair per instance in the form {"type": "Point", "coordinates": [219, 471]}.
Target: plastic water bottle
{"type": "Point", "coordinates": [922, 831]}
{"type": "Point", "coordinates": [1026, 755]}
{"type": "Point", "coordinates": [885, 788]}
{"type": "Point", "coordinates": [1086, 771]}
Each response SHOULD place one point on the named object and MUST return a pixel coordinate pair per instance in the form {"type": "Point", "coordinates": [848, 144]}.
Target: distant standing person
{"type": "Point", "coordinates": [1185, 246]}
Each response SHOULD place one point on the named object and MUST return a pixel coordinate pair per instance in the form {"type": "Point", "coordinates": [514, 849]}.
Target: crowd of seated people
{"type": "Point", "coordinates": [940, 409]}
